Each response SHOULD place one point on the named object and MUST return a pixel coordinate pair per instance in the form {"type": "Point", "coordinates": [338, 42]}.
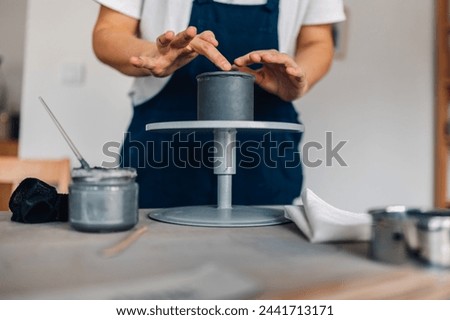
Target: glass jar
{"type": "Point", "coordinates": [103, 200]}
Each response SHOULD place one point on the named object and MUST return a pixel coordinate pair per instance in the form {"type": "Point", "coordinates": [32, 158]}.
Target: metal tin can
{"type": "Point", "coordinates": [225, 95]}
{"type": "Point", "coordinates": [388, 236]}
{"type": "Point", "coordinates": [103, 200]}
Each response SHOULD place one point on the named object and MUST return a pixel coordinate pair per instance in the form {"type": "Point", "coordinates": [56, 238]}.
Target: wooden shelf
{"type": "Point", "coordinates": [447, 139]}
{"type": "Point", "coordinates": [442, 81]}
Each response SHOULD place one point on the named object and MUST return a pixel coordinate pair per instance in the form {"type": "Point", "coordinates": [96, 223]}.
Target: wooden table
{"type": "Point", "coordinates": [53, 261]}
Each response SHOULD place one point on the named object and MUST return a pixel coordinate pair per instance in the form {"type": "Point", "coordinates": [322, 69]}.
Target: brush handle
{"type": "Point", "coordinates": [80, 158]}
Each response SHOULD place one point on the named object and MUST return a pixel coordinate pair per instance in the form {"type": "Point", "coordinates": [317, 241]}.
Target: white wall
{"type": "Point", "coordinates": [379, 98]}
{"type": "Point", "coordinates": [94, 110]}
{"type": "Point", "coordinates": [12, 33]}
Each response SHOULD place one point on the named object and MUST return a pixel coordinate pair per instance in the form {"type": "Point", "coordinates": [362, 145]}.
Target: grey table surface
{"type": "Point", "coordinates": [53, 261]}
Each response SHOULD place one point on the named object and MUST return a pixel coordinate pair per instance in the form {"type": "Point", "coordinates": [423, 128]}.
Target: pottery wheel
{"type": "Point", "coordinates": [225, 105]}
{"type": "Point", "coordinates": [224, 214]}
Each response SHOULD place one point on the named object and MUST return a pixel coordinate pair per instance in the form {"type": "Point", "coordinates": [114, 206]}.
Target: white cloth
{"type": "Point", "coordinates": [158, 16]}
{"type": "Point", "coordinates": [321, 222]}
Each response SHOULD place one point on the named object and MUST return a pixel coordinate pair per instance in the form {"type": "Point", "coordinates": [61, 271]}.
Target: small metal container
{"type": "Point", "coordinates": [388, 237]}
{"type": "Point", "coordinates": [225, 95]}
{"type": "Point", "coordinates": [103, 200]}
{"type": "Point", "coordinates": [433, 228]}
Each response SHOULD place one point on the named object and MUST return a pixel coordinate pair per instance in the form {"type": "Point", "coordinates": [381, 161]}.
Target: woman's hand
{"type": "Point", "coordinates": [176, 50]}
{"type": "Point", "coordinates": [279, 74]}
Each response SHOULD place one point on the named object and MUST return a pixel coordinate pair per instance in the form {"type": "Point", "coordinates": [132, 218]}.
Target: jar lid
{"type": "Point", "coordinates": [97, 174]}
{"type": "Point", "coordinates": [435, 219]}
{"type": "Point", "coordinates": [394, 212]}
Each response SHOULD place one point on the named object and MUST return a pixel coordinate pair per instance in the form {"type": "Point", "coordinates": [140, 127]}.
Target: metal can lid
{"type": "Point", "coordinates": [394, 212]}
{"type": "Point", "coordinates": [99, 174]}
{"type": "Point", "coordinates": [437, 212]}
{"type": "Point", "coordinates": [435, 219]}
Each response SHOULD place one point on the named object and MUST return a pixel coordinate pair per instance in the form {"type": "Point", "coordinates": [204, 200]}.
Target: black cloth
{"type": "Point", "coordinates": [35, 201]}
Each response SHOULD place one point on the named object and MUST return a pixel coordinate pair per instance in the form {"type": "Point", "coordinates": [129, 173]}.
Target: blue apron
{"type": "Point", "coordinates": [175, 168]}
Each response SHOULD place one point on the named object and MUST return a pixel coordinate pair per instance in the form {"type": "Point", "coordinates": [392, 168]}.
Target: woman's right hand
{"type": "Point", "coordinates": [173, 51]}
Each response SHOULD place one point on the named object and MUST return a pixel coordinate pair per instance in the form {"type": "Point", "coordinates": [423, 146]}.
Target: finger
{"type": "Point", "coordinates": [296, 73]}
{"type": "Point", "coordinates": [184, 38]}
{"type": "Point", "coordinates": [210, 37]}
{"type": "Point", "coordinates": [253, 57]}
{"type": "Point", "coordinates": [278, 58]}
{"type": "Point", "coordinates": [164, 40]}
{"type": "Point", "coordinates": [248, 59]}
{"type": "Point", "coordinates": [208, 50]}
{"type": "Point", "coordinates": [265, 56]}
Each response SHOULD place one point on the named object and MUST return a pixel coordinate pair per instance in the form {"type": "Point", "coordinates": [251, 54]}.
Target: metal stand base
{"type": "Point", "coordinates": [211, 216]}
{"type": "Point", "coordinates": [224, 214]}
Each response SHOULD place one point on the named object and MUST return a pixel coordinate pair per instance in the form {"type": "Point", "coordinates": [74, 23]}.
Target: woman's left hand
{"type": "Point", "coordinates": [279, 74]}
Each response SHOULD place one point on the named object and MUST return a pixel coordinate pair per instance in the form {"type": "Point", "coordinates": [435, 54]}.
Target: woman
{"type": "Point", "coordinates": [287, 45]}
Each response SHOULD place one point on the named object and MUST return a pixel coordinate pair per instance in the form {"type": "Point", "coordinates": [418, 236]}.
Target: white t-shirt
{"type": "Point", "coordinates": [159, 16]}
